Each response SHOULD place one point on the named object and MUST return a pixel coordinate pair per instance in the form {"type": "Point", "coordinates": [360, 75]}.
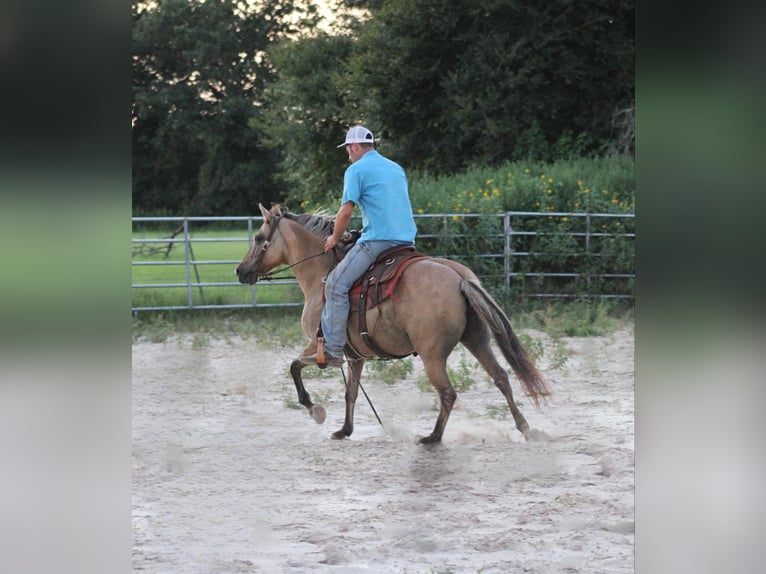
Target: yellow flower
{"type": "Point", "coordinates": [526, 170]}
{"type": "Point", "coordinates": [420, 210]}
{"type": "Point", "coordinates": [586, 190]}
{"type": "Point", "coordinates": [550, 180]}
{"type": "Point", "coordinates": [495, 192]}
{"type": "Point", "coordinates": [542, 176]}
{"type": "Point", "coordinates": [579, 183]}
{"type": "Point", "coordinates": [455, 218]}
{"type": "Point", "coordinates": [549, 190]}
{"type": "Point", "coordinates": [564, 219]}
{"type": "Point", "coordinates": [490, 181]}
{"type": "Point", "coordinates": [615, 201]}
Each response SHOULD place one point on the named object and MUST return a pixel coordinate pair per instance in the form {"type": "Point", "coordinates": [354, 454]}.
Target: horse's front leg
{"type": "Point", "coordinates": [352, 391]}
{"type": "Point", "coordinates": [317, 412]}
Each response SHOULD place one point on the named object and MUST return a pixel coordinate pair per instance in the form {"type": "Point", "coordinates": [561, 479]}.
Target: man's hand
{"type": "Point", "coordinates": [341, 223]}
{"type": "Point", "coordinates": [330, 243]}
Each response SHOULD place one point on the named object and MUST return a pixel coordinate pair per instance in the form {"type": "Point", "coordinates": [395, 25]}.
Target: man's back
{"type": "Point", "coordinates": [379, 187]}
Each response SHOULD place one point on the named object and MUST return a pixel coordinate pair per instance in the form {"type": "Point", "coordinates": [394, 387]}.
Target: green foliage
{"type": "Point", "coordinates": [390, 371]}
{"type": "Point", "coordinates": [461, 377]}
{"type": "Point", "coordinates": [498, 412]}
{"type": "Point", "coordinates": [291, 402]}
{"type": "Point", "coordinates": [598, 252]}
{"type": "Point", "coordinates": [535, 349]}
{"type": "Point", "coordinates": [458, 83]}
{"type": "Point", "coordinates": [585, 184]}
{"type": "Point", "coordinates": [199, 69]}
{"type": "Point", "coordinates": [236, 103]}
{"type": "Point", "coordinates": [155, 328]}
{"type": "Point", "coordinates": [272, 328]}
{"type": "Point", "coordinates": [561, 354]}
{"type": "Point", "coordinates": [306, 118]}
{"type": "Point", "coordinates": [471, 231]}
{"type": "Point", "coordinates": [584, 318]}
{"type": "Point", "coordinates": [532, 345]}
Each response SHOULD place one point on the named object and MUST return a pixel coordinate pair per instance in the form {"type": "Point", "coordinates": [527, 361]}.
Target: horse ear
{"type": "Point", "coordinates": [265, 213]}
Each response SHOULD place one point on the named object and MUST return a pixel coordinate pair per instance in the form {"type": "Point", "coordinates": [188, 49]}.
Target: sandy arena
{"type": "Point", "coordinates": [228, 477]}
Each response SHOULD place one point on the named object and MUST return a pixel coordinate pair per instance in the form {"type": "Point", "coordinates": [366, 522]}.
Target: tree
{"type": "Point", "coordinates": [457, 82]}
{"type": "Point", "coordinates": [308, 115]}
{"type": "Point", "coordinates": [199, 72]}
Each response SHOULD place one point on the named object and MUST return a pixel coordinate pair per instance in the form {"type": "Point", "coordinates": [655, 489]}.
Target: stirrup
{"type": "Point", "coordinates": [321, 361]}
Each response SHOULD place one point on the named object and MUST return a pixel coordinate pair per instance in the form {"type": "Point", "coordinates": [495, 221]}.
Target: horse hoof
{"type": "Point", "coordinates": [534, 435]}
{"type": "Point", "coordinates": [339, 435]}
{"type": "Point", "coordinates": [318, 413]}
{"type": "Point", "coordinates": [430, 439]}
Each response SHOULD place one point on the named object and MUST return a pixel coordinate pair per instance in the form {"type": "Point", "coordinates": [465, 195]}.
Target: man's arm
{"type": "Point", "coordinates": [342, 219]}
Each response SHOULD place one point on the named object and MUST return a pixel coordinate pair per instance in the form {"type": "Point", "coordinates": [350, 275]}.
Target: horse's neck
{"type": "Point", "coordinates": [309, 267]}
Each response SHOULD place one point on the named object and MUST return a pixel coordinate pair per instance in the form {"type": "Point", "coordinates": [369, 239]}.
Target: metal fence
{"type": "Point", "coordinates": [189, 262]}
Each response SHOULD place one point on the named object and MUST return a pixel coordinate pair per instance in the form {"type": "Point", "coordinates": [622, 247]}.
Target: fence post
{"type": "Point", "coordinates": [588, 258]}
{"type": "Point", "coordinates": [249, 245]}
{"type": "Point", "coordinates": [445, 229]}
{"type": "Point", "coordinates": [187, 263]}
{"type": "Point", "coordinates": [507, 249]}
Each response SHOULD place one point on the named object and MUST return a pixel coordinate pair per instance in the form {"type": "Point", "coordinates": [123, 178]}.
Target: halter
{"type": "Point", "coordinates": [259, 258]}
{"type": "Point", "coordinates": [266, 243]}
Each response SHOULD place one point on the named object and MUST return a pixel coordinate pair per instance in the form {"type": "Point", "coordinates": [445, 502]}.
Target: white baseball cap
{"type": "Point", "coordinates": [358, 134]}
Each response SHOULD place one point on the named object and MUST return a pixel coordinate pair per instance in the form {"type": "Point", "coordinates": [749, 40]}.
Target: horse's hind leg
{"type": "Point", "coordinates": [352, 391]}
{"type": "Point", "coordinates": [436, 370]}
{"type": "Point", "coordinates": [317, 412]}
{"type": "Point", "coordinates": [476, 340]}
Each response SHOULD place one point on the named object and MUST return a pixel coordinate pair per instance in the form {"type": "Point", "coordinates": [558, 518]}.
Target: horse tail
{"type": "Point", "coordinates": [495, 318]}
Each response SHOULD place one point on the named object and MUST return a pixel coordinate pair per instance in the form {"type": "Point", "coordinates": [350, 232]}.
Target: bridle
{"type": "Point", "coordinates": [266, 243]}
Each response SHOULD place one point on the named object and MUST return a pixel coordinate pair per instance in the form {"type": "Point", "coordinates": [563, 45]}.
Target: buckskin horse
{"type": "Point", "coordinates": [435, 304]}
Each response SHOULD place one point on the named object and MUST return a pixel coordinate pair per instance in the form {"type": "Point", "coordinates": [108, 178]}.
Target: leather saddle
{"type": "Point", "coordinates": [376, 285]}
{"type": "Point", "coordinates": [378, 282]}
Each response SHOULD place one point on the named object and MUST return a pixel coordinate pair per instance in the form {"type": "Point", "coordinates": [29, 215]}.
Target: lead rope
{"type": "Point", "coordinates": [345, 382]}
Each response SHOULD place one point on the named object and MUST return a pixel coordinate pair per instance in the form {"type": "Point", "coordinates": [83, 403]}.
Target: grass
{"type": "Point", "coordinates": [280, 327]}
{"type": "Point", "coordinates": [581, 318]}
{"type": "Point", "coordinates": [390, 371]}
{"type": "Point", "coordinates": [164, 264]}
{"type": "Point", "coordinates": [272, 327]}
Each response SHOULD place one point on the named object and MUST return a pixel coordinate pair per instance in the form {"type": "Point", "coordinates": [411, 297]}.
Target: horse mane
{"type": "Point", "coordinates": [317, 223]}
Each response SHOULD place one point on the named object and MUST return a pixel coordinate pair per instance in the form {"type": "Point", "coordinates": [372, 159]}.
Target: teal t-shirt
{"type": "Point", "coordinates": [379, 187]}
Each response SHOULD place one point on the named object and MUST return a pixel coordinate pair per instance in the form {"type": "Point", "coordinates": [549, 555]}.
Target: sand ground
{"type": "Point", "coordinates": [228, 477]}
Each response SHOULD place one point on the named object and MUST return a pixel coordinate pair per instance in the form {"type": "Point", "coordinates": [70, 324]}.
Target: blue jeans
{"type": "Point", "coordinates": [339, 283]}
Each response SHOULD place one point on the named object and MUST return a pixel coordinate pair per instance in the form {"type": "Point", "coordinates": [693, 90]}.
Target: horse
{"type": "Point", "coordinates": [436, 304]}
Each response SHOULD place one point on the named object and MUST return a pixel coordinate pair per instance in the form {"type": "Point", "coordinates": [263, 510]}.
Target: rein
{"type": "Point", "coordinates": [271, 274]}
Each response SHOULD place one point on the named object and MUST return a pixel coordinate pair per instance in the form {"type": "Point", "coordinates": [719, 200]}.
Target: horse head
{"type": "Point", "coordinates": [267, 250]}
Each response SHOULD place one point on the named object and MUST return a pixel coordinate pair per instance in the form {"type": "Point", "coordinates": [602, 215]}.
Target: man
{"type": "Point", "coordinates": [379, 187]}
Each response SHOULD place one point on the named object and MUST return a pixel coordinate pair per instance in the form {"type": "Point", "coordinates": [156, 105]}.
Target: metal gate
{"type": "Point", "coordinates": [188, 262]}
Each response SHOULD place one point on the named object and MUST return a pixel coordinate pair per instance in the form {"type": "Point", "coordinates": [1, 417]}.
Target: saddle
{"type": "Point", "coordinates": [375, 286]}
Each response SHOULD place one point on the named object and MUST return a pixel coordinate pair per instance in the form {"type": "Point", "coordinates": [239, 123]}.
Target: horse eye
{"type": "Point", "coordinates": [259, 238]}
